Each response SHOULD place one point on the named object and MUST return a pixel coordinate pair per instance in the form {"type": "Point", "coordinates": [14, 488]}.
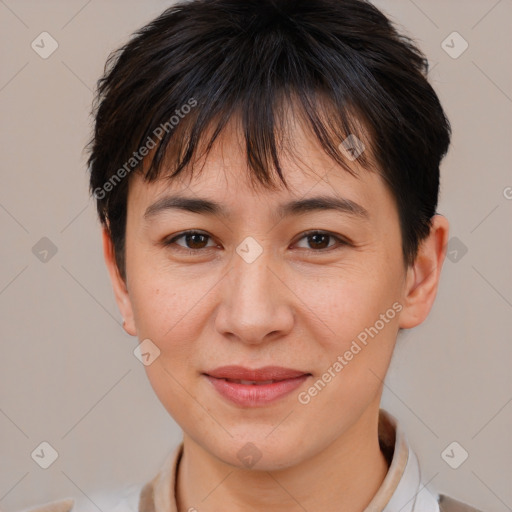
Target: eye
{"type": "Point", "coordinates": [191, 240]}
{"type": "Point", "coordinates": [195, 241]}
{"type": "Point", "coordinates": [321, 240]}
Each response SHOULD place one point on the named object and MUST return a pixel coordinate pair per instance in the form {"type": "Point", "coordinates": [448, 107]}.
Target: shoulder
{"type": "Point", "coordinates": [55, 506]}
{"type": "Point", "coordinates": [126, 500]}
{"type": "Point", "coordinates": [447, 504]}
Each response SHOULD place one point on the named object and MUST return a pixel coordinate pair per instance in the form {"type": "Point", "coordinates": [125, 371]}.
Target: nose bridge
{"type": "Point", "coordinates": [252, 279]}
{"type": "Point", "coordinates": [250, 291]}
{"type": "Point", "coordinates": [253, 302]}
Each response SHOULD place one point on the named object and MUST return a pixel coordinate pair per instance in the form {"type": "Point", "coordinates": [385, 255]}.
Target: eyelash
{"type": "Point", "coordinates": [172, 241]}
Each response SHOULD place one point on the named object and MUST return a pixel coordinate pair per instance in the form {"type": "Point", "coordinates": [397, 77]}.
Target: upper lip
{"type": "Point", "coordinates": [256, 374]}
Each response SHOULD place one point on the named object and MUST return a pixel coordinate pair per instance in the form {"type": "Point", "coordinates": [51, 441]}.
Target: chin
{"type": "Point", "coordinates": [256, 451]}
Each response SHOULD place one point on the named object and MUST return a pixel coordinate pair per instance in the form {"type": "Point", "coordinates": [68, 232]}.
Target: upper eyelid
{"type": "Point", "coordinates": [340, 239]}
{"type": "Point", "coordinates": [173, 238]}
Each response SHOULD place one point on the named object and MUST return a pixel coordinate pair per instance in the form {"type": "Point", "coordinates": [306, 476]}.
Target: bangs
{"type": "Point", "coordinates": [265, 124]}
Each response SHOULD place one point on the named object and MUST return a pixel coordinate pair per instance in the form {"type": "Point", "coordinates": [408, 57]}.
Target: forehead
{"type": "Point", "coordinates": [224, 174]}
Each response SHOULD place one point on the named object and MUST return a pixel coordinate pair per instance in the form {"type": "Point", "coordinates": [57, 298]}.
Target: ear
{"type": "Point", "coordinates": [118, 284]}
{"type": "Point", "coordinates": [423, 276]}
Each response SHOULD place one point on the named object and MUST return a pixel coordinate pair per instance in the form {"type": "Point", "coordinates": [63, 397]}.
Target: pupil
{"type": "Point", "coordinates": [317, 240]}
{"type": "Point", "coordinates": [195, 239]}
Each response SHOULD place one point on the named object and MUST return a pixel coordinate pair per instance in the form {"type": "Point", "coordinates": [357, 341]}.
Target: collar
{"type": "Point", "coordinates": [401, 490]}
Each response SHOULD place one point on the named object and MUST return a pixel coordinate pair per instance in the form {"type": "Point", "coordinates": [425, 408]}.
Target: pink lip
{"type": "Point", "coordinates": [285, 380]}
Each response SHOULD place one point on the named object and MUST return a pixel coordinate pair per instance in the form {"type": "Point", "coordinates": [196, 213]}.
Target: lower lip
{"type": "Point", "coordinates": [255, 395]}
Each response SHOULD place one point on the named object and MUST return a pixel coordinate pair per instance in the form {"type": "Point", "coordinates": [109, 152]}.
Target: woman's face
{"type": "Point", "coordinates": [253, 289]}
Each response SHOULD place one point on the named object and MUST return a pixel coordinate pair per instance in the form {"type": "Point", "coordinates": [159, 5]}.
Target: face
{"type": "Point", "coordinates": [267, 278]}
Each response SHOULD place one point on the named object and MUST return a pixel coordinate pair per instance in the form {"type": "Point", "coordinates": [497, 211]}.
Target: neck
{"type": "Point", "coordinates": [344, 476]}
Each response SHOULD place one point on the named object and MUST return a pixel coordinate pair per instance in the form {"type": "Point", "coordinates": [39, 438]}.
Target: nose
{"type": "Point", "coordinates": [255, 305]}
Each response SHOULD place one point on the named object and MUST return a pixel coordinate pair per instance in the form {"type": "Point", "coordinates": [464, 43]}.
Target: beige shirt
{"type": "Point", "coordinates": [401, 491]}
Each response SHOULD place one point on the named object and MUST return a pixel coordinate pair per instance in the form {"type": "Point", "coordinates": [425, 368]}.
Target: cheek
{"type": "Point", "coordinates": [165, 301]}
{"type": "Point", "coordinates": [343, 302]}
{"type": "Point", "coordinates": [155, 308]}
{"type": "Point", "coordinates": [356, 352]}
{"type": "Point", "coordinates": [172, 313]}
{"type": "Point", "coordinates": [353, 320]}
{"type": "Point", "coordinates": [167, 312]}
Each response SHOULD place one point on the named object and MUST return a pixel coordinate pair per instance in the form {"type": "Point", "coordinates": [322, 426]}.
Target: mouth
{"type": "Point", "coordinates": [255, 387]}
{"type": "Point", "coordinates": [251, 382]}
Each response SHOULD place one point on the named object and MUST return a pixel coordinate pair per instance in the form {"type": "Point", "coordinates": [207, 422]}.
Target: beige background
{"type": "Point", "coordinates": [67, 372]}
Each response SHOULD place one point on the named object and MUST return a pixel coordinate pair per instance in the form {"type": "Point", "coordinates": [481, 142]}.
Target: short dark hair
{"type": "Point", "coordinates": [340, 64]}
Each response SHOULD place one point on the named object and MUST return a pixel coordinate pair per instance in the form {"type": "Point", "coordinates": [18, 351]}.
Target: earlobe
{"type": "Point", "coordinates": [423, 276]}
{"type": "Point", "coordinates": [118, 284]}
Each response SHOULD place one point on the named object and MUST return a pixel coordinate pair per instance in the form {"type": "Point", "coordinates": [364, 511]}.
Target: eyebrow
{"type": "Point", "coordinates": [297, 207]}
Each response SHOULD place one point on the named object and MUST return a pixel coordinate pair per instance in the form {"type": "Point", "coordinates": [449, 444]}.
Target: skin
{"type": "Point", "coordinates": [298, 305]}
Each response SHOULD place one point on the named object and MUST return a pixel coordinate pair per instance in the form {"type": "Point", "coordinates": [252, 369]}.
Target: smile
{"type": "Point", "coordinates": [260, 387]}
